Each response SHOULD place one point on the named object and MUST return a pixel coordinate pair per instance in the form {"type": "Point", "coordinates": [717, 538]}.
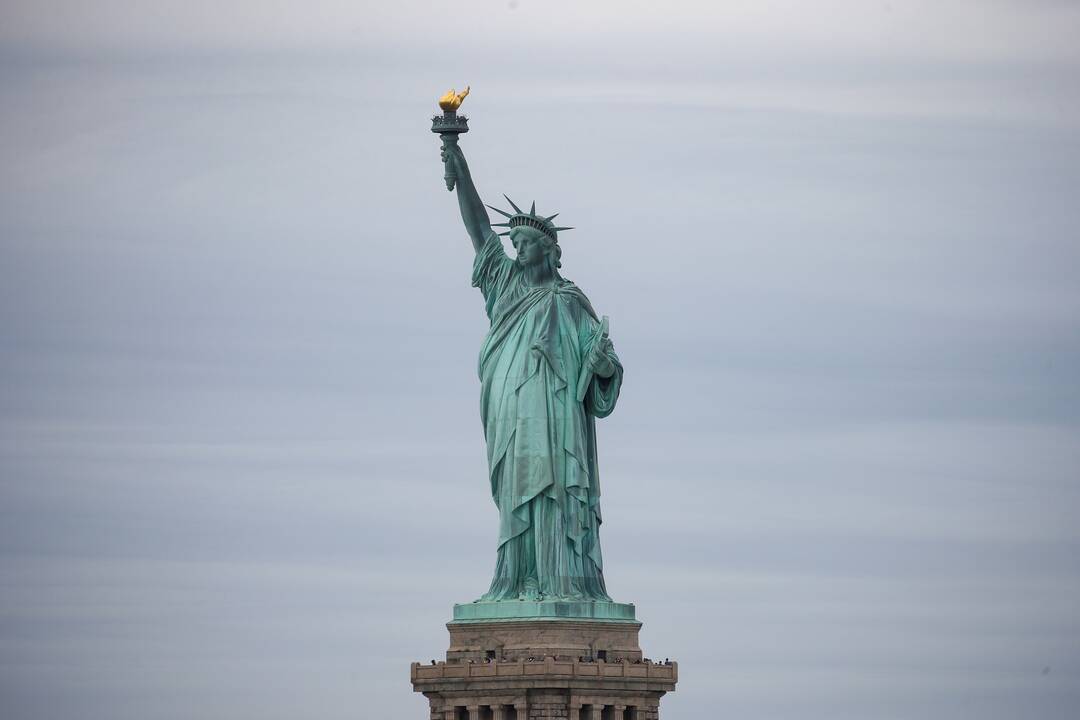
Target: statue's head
{"type": "Point", "coordinates": [535, 247]}
{"type": "Point", "coordinates": [535, 237]}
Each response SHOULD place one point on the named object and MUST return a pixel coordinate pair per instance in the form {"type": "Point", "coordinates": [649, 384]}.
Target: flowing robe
{"type": "Point", "coordinates": [541, 440]}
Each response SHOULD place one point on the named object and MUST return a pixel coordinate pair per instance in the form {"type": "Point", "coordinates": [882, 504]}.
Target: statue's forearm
{"type": "Point", "coordinates": [473, 212]}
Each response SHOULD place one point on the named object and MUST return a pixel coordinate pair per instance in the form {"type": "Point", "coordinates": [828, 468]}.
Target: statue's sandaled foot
{"type": "Point", "coordinates": [531, 591]}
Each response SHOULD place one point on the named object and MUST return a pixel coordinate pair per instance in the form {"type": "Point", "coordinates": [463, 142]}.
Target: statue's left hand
{"type": "Point", "coordinates": [598, 361]}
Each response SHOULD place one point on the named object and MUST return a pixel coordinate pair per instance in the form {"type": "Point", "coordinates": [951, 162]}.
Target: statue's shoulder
{"type": "Point", "coordinates": [570, 288]}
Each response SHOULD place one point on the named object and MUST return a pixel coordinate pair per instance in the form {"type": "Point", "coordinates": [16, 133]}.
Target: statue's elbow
{"type": "Point", "coordinates": [600, 409]}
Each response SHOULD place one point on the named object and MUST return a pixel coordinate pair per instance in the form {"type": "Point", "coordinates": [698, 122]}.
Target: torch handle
{"type": "Point", "coordinates": [449, 140]}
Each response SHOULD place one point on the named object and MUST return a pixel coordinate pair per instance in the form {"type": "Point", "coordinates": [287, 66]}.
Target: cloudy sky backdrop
{"type": "Point", "coordinates": [241, 465]}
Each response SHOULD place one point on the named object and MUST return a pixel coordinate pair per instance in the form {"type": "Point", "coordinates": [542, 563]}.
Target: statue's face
{"type": "Point", "coordinates": [531, 247]}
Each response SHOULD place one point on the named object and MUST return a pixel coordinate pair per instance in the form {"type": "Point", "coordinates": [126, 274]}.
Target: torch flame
{"type": "Point", "coordinates": [451, 101]}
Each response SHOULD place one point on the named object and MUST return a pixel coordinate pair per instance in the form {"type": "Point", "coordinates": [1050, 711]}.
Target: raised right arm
{"type": "Point", "coordinates": [473, 212]}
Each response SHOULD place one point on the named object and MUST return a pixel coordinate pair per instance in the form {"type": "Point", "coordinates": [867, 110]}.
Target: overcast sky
{"type": "Point", "coordinates": [241, 464]}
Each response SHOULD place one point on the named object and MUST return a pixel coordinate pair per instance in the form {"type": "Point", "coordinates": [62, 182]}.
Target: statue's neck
{"type": "Point", "coordinates": [539, 275]}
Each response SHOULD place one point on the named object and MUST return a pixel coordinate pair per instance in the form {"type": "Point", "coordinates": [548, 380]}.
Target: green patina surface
{"type": "Point", "coordinates": [543, 610]}
{"type": "Point", "coordinates": [547, 371]}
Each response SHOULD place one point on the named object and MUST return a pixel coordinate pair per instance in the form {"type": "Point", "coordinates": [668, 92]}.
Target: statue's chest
{"type": "Point", "coordinates": [518, 300]}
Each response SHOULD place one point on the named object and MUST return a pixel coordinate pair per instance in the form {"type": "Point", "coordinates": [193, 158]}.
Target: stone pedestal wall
{"type": "Point", "coordinates": [541, 670]}
{"type": "Point", "coordinates": [522, 639]}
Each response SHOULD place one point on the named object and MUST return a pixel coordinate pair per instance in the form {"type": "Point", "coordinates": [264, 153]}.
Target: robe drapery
{"type": "Point", "coordinates": [541, 440]}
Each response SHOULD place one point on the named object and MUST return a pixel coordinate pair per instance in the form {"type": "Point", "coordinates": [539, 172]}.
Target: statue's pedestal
{"type": "Point", "coordinates": [544, 667]}
{"type": "Point", "coordinates": [543, 609]}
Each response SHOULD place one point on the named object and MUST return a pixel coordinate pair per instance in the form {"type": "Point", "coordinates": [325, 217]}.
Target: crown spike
{"type": "Point", "coordinates": [562, 228]}
{"type": "Point", "coordinates": [532, 210]}
{"type": "Point", "coordinates": [549, 218]}
{"type": "Point", "coordinates": [500, 224]}
{"type": "Point", "coordinates": [501, 212]}
{"type": "Point", "coordinates": [505, 233]}
{"type": "Point", "coordinates": [516, 208]}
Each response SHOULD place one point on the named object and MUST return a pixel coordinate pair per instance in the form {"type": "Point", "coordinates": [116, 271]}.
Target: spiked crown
{"type": "Point", "coordinates": [528, 219]}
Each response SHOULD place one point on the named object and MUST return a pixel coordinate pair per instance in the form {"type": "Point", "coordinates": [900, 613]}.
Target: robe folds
{"type": "Point", "coordinates": [541, 440]}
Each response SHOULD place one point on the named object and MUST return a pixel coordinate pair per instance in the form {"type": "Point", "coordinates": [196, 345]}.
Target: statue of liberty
{"type": "Point", "coordinates": [547, 371]}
